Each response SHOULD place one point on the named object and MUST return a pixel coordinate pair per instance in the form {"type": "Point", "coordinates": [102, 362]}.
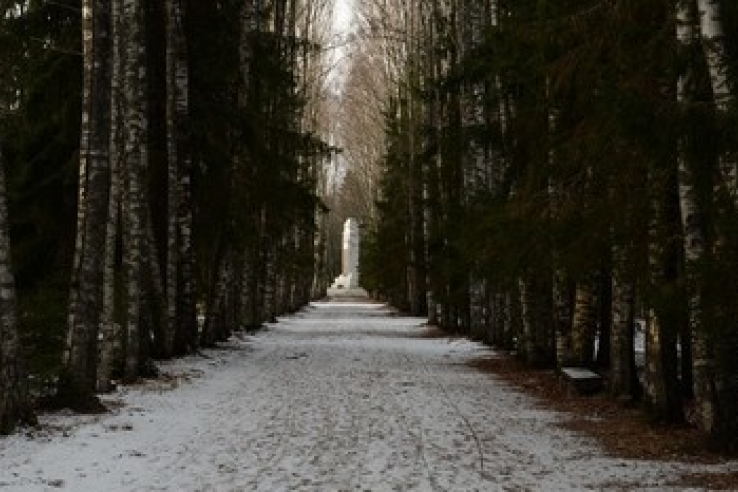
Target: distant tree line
{"type": "Point", "coordinates": [161, 162]}
{"type": "Point", "coordinates": [560, 177]}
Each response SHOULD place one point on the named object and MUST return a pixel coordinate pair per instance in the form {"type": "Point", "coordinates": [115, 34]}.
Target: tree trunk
{"type": "Point", "coordinates": [135, 210]}
{"type": "Point", "coordinates": [77, 382]}
{"type": "Point", "coordinates": [536, 346]}
{"type": "Point", "coordinates": [720, 345]}
{"type": "Point", "coordinates": [604, 315]}
{"type": "Point", "coordinates": [696, 256]}
{"type": "Point", "coordinates": [110, 339]}
{"type": "Point", "coordinates": [562, 316]}
{"type": "Point", "coordinates": [712, 35]}
{"type": "Point", "coordinates": [662, 322]}
{"type": "Point", "coordinates": [270, 283]}
{"type": "Point", "coordinates": [624, 383]}
{"type": "Point", "coordinates": [181, 311]}
{"type": "Point", "coordinates": [584, 320]}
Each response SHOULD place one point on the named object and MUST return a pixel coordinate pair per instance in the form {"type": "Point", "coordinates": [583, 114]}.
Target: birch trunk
{"type": "Point", "coordinates": [417, 265]}
{"type": "Point", "coordinates": [181, 333]}
{"type": "Point", "coordinates": [135, 168]}
{"type": "Point", "coordinates": [715, 376]}
{"type": "Point", "coordinates": [77, 381]}
{"type": "Point", "coordinates": [712, 35]}
{"type": "Point", "coordinates": [662, 322]}
{"type": "Point", "coordinates": [703, 363]}
{"type": "Point", "coordinates": [110, 339]}
{"type": "Point", "coordinates": [713, 38]}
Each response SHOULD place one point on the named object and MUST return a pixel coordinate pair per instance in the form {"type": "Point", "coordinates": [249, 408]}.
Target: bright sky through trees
{"type": "Point", "coordinates": [342, 15]}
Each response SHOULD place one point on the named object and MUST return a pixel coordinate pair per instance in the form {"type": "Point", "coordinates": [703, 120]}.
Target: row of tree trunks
{"type": "Point", "coordinates": [197, 198]}
{"type": "Point", "coordinates": [123, 307]}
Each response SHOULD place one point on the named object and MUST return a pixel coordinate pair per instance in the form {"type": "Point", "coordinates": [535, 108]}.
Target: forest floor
{"type": "Point", "coordinates": [620, 428]}
{"type": "Point", "coordinates": [345, 397]}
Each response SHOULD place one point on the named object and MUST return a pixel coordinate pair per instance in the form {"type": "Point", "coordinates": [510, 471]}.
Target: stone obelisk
{"type": "Point", "coordinates": [349, 278]}
{"type": "Point", "coordinates": [350, 257]}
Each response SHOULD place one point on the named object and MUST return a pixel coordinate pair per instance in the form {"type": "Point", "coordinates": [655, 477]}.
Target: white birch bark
{"type": "Point", "coordinates": [110, 337]}
{"type": "Point", "coordinates": [135, 153]}
{"type": "Point", "coordinates": [713, 39]}
{"type": "Point", "coordinates": [712, 36]}
{"type": "Point", "coordinates": [694, 250]}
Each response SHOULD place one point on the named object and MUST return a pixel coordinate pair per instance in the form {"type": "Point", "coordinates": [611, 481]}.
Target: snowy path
{"type": "Point", "coordinates": [341, 397]}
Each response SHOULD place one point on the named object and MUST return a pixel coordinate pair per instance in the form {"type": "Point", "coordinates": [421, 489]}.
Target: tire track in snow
{"type": "Point", "coordinates": [419, 436]}
{"type": "Point", "coordinates": [461, 415]}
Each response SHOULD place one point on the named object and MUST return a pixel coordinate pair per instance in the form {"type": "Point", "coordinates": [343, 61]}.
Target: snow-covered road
{"type": "Point", "coordinates": [340, 397]}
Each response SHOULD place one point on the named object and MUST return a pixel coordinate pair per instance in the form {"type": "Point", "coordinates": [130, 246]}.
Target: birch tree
{"type": "Point", "coordinates": [711, 324]}
{"type": "Point", "coordinates": [135, 212]}
{"type": "Point", "coordinates": [712, 36]}
{"type": "Point", "coordinates": [111, 336]}
{"type": "Point", "coordinates": [181, 313]}
{"type": "Point", "coordinates": [78, 380]}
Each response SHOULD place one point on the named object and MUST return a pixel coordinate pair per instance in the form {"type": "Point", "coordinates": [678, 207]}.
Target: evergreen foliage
{"type": "Point", "coordinates": [554, 174]}
{"type": "Point", "coordinates": [40, 125]}
{"type": "Point", "coordinates": [256, 163]}
{"type": "Point", "coordinates": [553, 136]}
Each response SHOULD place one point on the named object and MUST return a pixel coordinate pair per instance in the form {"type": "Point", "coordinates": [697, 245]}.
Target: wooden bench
{"type": "Point", "coordinates": [581, 379]}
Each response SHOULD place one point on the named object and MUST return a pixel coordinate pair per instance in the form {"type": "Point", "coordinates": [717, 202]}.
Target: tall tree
{"type": "Point", "coordinates": [181, 317]}
{"type": "Point", "coordinates": [707, 199]}
{"type": "Point", "coordinates": [135, 208]}
{"type": "Point", "coordinates": [78, 380]}
{"type": "Point", "coordinates": [111, 337]}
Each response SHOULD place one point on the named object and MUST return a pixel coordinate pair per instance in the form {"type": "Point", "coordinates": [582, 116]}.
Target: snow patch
{"type": "Point", "coordinates": [341, 396]}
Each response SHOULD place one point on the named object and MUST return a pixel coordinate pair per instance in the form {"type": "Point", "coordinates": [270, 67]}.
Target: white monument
{"type": "Point", "coordinates": [349, 278]}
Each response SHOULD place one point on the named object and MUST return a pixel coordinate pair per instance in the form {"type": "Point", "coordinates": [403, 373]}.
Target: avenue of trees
{"type": "Point", "coordinates": [161, 162]}
{"type": "Point", "coordinates": [556, 178]}
{"type": "Point", "coordinates": [560, 179]}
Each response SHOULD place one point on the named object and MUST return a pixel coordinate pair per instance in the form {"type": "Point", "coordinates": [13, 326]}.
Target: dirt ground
{"type": "Point", "coordinates": [620, 428]}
